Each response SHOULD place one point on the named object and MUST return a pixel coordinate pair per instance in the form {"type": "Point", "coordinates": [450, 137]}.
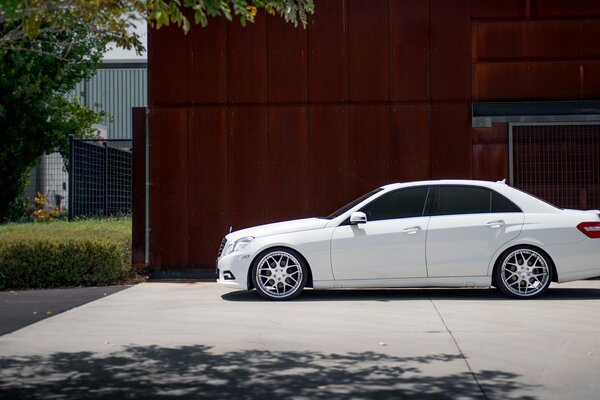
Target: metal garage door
{"type": "Point", "coordinates": [559, 163]}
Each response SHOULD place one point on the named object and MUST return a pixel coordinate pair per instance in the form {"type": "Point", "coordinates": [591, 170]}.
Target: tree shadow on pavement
{"type": "Point", "coordinates": [556, 293]}
{"type": "Point", "coordinates": [196, 372]}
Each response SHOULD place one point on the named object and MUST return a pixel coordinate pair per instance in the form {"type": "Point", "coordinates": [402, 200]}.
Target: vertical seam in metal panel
{"type": "Point", "coordinates": [266, 111]}
{"type": "Point", "coordinates": [187, 153]}
{"type": "Point", "coordinates": [266, 70]}
{"type": "Point", "coordinates": [126, 126]}
{"type": "Point", "coordinates": [108, 85]}
{"type": "Point", "coordinates": [120, 103]}
{"type": "Point", "coordinates": [429, 109]}
{"type": "Point", "coordinates": [469, 82]}
{"type": "Point", "coordinates": [348, 106]}
{"type": "Point", "coordinates": [128, 95]}
{"type": "Point", "coordinates": [147, 187]}
{"type": "Point", "coordinates": [124, 100]}
{"type": "Point", "coordinates": [114, 86]}
{"type": "Point", "coordinates": [511, 169]}
{"type": "Point", "coordinates": [389, 102]}
{"type": "Point", "coordinates": [308, 164]}
{"type": "Point", "coordinates": [307, 108]}
{"type": "Point", "coordinates": [125, 82]}
{"type": "Point", "coordinates": [227, 157]}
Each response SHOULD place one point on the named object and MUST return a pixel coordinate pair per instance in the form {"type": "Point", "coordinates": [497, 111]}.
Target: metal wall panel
{"type": "Point", "coordinates": [409, 143]}
{"type": "Point", "coordinates": [533, 9]}
{"type": "Point", "coordinates": [589, 75]}
{"type": "Point", "coordinates": [206, 203]}
{"type": "Point", "coordinates": [328, 157]}
{"type": "Point", "coordinates": [409, 50]}
{"type": "Point", "coordinates": [450, 57]}
{"type": "Point", "coordinates": [247, 61]}
{"type": "Point", "coordinates": [451, 148]}
{"type": "Point", "coordinates": [207, 63]}
{"type": "Point", "coordinates": [168, 188]}
{"type": "Point", "coordinates": [368, 50]}
{"type": "Point", "coordinates": [529, 40]}
{"type": "Point", "coordinates": [288, 163]}
{"type": "Point", "coordinates": [167, 67]}
{"type": "Point", "coordinates": [497, 134]}
{"type": "Point", "coordinates": [369, 148]}
{"type": "Point", "coordinates": [117, 91]}
{"type": "Point", "coordinates": [328, 57]}
{"type": "Point", "coordinates": [494, 9]}
{"type": "Point", "coordinates": [532, 80]}
{"type": "Point", "coordinates": [248, 166]}
{"type": "Point", "coordinates": [564, 9]}
{"type": "Point", "coordinates": [287, 64]}
{"type": "Point", "coordinates": [490, 162]}
{"type": "Point", "coordinates": [381, 93]}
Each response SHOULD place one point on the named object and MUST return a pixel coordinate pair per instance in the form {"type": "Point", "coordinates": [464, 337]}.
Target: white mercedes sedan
{"type": "Point", "coordinates": [448, 233]}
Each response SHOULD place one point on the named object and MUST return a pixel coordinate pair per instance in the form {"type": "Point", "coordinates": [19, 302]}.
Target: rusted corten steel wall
{"type": "Point", "coordinates": [529, 50]}
{"type": "Point", "coordinates": [265, 123]}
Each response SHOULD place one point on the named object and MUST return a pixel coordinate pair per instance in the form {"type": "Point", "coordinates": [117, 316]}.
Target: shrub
{"type": "Point", "coordinates": [61, 253]}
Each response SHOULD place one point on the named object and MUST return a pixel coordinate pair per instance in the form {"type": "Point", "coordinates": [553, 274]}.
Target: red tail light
{"type": "Point", "coordinates": [590, 229]}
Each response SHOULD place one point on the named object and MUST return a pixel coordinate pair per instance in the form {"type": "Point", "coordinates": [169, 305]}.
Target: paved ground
{"type": "Point", "coordinates": [201, 341]}
{"type": "Point", "coordinates": [19, 308]}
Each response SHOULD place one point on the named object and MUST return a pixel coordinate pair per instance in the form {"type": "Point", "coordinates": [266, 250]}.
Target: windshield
{"type": "Point", "coordinates": [352, 204]}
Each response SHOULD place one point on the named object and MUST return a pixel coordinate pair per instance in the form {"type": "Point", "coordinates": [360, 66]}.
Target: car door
{"type": "Point", "coordinates": [467, 226]}
{"type": "Point", "coordinates": [391, 244]}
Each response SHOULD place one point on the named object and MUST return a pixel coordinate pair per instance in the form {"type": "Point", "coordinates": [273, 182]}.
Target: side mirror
{"type": "Point", "coordinates": [358, 217]}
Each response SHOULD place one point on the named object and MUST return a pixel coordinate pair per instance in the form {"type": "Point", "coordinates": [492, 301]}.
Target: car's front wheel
{"type": "Point", "coordinates": [523, 272]}
{"type": "Point", "coordinates": [279, 274]}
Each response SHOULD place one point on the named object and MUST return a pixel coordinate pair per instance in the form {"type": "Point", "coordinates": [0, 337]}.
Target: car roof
{"type": "Point", "coordinates": [470, 182]}
{"type": "Point", "coordinates": [525, 201]}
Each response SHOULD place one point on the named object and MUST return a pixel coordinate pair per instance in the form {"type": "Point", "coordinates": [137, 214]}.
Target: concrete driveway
{"type": "Point", "coordinates": [19, 308]}
{"type": "Point", "coordinates": [198, 340]}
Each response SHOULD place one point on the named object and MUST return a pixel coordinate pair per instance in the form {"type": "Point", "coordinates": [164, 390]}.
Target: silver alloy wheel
{"type": "Point", "coordinates": [525, 272]}
{"type": "Point", "coordinates": [279, 274]}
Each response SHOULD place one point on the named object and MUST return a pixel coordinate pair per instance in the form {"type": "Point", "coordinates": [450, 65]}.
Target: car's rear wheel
{"type": "Point", "coordinates": [279, 274]}
{"type": "Point", "coordinates": [523, 272]}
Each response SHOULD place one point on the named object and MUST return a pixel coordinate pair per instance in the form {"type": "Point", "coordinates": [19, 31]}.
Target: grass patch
{"type": "Point", "coordinates": [57, 254]}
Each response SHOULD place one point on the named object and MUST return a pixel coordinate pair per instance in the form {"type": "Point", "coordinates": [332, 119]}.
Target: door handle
{"type": "Point", "coordinates": [495, 224]}
{"type": "Point", "coordinates": [412, 230]}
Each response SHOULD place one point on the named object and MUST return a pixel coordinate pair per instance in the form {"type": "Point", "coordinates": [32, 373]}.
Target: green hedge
{"type": "Point", "coordinates": [58, 254]}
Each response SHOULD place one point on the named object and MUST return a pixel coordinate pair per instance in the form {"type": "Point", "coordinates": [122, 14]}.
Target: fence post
{"type": "Point", "coordinates": [71, 169]}
{"type": "Point", "coordinates": [138, 192]}
{"type": "Point", "coordinates": [105, 144]}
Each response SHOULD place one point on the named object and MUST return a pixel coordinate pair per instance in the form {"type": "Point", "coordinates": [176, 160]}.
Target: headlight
{"type": "Point", "coordinates": [238, 245]}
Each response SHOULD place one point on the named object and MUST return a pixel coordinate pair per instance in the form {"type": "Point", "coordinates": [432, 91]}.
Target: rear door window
{"type": "Point", "coordinates": [451, 200]}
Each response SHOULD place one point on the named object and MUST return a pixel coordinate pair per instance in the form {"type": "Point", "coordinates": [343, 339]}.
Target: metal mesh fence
{"type": "Point", "coordinates": [100, 177]}
{"type": "Point", "coordinates": [559, 163]}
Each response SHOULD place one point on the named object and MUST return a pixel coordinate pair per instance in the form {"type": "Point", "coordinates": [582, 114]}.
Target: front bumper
{"type": "Point", "coordinates": [232, 270]}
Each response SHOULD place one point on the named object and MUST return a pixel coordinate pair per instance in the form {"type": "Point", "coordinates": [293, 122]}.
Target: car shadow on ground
{"type": "Point", "coordinates": [417, 294]}
{"type": "Point", "coordinates": [196, 372]}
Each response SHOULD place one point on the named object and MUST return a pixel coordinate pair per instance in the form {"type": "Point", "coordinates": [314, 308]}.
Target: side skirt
{"type": "Point", "coordinates": [464, 281]}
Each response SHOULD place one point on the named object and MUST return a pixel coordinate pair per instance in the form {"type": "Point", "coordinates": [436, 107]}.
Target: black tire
{"type": "Point", "coordinates": [523, 272]}
{"type": "Point", "coordinates": [279, 273]}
